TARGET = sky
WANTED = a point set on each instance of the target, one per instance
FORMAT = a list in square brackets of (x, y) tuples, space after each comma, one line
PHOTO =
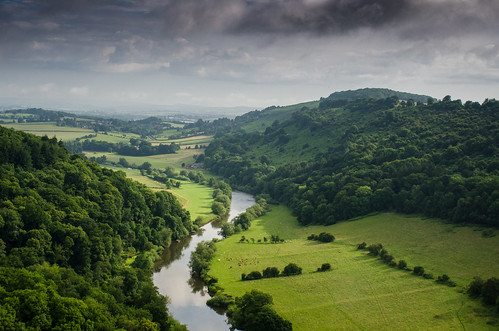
[(255, 53)]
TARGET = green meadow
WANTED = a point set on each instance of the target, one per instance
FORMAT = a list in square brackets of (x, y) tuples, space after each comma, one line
[(196, 198), (160, 161), (50, 130), (362, 293)]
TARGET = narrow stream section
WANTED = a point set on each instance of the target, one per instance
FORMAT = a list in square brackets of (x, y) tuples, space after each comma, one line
[(188, 296)]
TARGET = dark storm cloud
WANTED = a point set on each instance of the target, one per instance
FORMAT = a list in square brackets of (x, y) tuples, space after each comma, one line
[(413, 18), (174, 18)]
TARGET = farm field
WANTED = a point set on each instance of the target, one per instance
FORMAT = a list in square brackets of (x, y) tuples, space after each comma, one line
[(115, 137), (50, 130), (160, 161), (362, 293)]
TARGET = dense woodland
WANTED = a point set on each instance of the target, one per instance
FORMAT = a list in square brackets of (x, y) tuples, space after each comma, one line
[(66, 228), (436, 158)]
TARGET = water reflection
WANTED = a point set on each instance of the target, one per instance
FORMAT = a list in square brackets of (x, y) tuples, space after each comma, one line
[(187, 295)]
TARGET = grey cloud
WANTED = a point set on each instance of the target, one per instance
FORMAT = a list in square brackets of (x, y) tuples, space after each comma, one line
[(413, 18)]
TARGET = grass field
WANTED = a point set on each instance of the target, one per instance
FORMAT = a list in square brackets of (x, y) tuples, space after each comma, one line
[(115, 137), (196, 198), (50, 129), (157, 161), (361, 293)]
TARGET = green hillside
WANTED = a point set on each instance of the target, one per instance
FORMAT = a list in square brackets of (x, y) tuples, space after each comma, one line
[(376, 93), (346, 159)]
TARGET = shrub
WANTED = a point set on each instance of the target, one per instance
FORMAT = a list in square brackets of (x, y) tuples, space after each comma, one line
[(475, 288), (490, 291), (392, 264), (418, 270), (428, 276), (402, 264), (253, 275), (324, 267), (326, 237), (270, 272), (362, 245), (387, 258), (312, 237), (291, 269), (220, 300), (375, 249), (442, 279)]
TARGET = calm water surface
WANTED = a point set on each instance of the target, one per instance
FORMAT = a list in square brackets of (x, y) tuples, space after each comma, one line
[(188, 296)]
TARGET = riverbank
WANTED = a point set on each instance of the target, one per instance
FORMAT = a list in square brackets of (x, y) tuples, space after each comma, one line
[(187, 295)]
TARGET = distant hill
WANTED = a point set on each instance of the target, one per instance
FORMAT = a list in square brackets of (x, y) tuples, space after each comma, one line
[(376, 93), (259, 120)]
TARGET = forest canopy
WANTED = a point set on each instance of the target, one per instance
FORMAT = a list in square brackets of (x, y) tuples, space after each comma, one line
[(344, 159), (66, 228)]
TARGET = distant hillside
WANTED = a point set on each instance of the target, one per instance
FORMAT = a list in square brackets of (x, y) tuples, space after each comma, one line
[(332, 163), (376, 93), (260, 120)]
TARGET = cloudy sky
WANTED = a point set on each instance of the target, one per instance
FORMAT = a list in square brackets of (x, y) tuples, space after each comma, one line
[(256, 53)]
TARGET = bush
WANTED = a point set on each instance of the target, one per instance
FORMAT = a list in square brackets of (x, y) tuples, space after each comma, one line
[(220, 300), (490, 291), (326, 237), (375, 249), (322, 237), (442, 279), (253, 275), (291, 269), (324, 267), (428, 276), (418, 270), (362, 245), (402, 264), (387, 258), (270, 272), (475, 288)]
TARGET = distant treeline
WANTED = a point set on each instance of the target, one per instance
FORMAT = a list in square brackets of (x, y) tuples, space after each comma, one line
[(436, 158), (135, 148)]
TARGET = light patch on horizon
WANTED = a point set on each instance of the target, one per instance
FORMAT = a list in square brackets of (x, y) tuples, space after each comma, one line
[(79, 91)]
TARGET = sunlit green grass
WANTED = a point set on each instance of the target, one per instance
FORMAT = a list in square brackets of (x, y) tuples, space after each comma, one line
[(196, 198), (361, 293), (115, 137), (161, 161)]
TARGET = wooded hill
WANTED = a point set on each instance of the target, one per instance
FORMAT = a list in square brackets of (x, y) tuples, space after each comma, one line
[(345, 158), (66, 228)]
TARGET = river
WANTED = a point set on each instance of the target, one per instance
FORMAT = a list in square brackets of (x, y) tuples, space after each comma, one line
[(188, 296)]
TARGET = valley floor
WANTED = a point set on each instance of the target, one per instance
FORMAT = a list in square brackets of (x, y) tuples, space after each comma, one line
[(361, 292)]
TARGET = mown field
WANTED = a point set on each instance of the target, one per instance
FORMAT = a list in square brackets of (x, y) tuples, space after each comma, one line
[(361, 293)]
